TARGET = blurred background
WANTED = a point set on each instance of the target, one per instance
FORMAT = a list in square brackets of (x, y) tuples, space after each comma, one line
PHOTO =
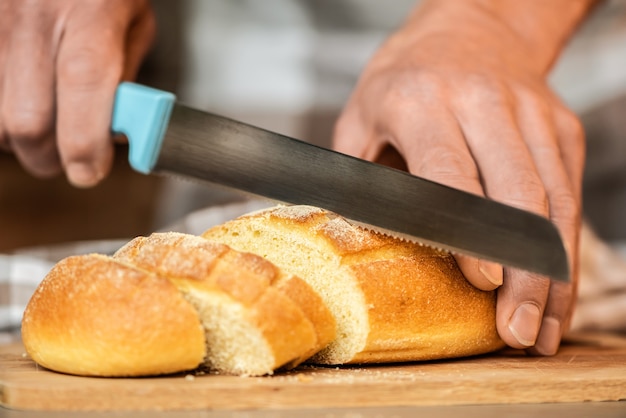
[(289, 66)]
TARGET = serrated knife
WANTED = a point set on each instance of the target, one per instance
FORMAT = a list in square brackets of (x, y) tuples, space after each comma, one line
[(167, 137)]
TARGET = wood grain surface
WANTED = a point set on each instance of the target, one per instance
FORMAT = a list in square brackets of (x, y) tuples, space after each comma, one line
[(589, 367)]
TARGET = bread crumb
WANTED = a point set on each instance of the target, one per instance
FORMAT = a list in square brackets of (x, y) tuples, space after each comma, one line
[(304, 378), (190, 378)]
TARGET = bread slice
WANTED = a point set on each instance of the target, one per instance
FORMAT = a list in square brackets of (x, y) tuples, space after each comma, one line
[(169, 303), (95, 316), (256, 318), (392, 300)]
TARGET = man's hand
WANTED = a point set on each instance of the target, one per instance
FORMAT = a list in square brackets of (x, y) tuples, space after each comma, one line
[(460, 93), (60, 63)]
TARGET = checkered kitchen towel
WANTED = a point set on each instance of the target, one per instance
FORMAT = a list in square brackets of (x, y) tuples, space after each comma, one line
[(21, 271)]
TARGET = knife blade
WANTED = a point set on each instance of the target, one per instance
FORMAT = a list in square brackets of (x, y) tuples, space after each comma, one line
[(167, 137)]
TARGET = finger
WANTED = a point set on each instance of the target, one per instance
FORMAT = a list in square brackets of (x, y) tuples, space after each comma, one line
[(435, 149), (89, 67), (540, 133), (520, 309), (556, 316), (536, 121), (504, 161), (509, 175), (5, 19), (28, 94), (483, 274), (571, 140), (572, 146), (352, 136), (139, 40)]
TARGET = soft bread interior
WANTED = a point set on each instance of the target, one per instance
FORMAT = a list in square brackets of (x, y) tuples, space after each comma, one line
[(235, 300), (313, 307), (312, 259), (169, 303), (392, 300), (234, 344), (251, 327)]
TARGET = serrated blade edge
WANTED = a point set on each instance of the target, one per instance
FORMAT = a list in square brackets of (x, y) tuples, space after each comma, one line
[(234, 154)]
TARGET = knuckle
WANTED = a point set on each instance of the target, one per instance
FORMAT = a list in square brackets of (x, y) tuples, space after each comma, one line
[(27, 124), (81, 141), (341, 128), (565, 208), (524, 191), (561, 300), (84, 68), (80, 150), (477, 81), (412, 85), (565, 202), (449, 167), (427, 80), (571, 126), (484, 89), (531, 95)]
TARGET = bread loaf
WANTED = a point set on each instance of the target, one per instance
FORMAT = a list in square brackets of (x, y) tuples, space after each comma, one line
[(169, 303), (256, 318), (95, 316), (267, 290), (392, 300)]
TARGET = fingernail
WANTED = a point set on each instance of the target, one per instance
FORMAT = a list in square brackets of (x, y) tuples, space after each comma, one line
[(549, 337), (82, 174), (492, 271), (524, 324)]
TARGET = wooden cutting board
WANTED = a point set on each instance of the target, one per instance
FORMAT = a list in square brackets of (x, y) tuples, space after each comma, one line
[(589, 367)]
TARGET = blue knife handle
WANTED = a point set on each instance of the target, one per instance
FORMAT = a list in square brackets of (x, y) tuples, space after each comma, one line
[(142, 114)]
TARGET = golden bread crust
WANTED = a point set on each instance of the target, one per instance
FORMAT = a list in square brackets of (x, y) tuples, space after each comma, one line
[(144, 312), (92, 315), (417, 303), (314, 308), (264, 291), (195, 264)]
